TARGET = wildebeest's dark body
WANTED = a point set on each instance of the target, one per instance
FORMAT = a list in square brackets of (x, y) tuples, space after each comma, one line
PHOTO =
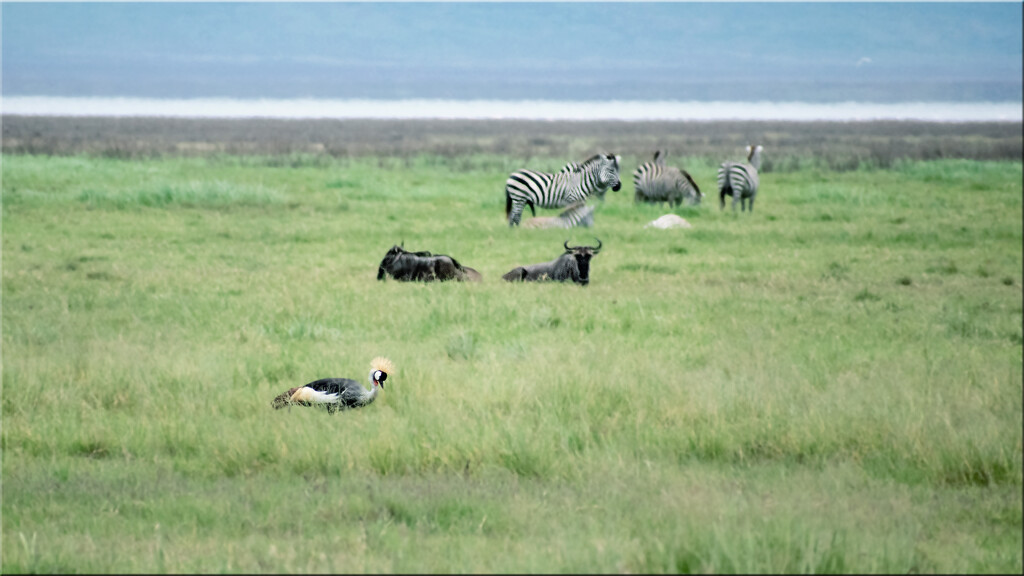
[(574, 265), (423, 266)]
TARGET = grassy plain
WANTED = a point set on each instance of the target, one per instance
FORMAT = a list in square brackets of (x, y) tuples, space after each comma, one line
[(829, 384)]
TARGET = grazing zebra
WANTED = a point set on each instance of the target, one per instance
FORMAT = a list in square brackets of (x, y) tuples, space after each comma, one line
[(572, 184), (656, 182), (740, 180), (579, 214)]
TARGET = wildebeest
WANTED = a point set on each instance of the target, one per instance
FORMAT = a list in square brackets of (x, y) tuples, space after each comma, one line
[(407, 266), (573, 265)]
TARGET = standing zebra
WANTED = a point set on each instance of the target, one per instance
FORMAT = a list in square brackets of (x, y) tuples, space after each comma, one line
[(656, 182), (574, 183), (740, 180)]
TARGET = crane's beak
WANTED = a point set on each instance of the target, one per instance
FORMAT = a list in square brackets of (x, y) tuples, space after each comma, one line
[(379, 383)]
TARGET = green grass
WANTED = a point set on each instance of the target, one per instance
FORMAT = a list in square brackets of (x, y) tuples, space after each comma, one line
[(829, 384)]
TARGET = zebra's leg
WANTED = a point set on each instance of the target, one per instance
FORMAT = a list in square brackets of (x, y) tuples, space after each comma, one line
[(751, 204), (516, 213), (721, 199)]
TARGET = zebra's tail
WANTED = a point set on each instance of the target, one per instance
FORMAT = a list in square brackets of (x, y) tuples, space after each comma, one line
[(508, 204), (692, 182)]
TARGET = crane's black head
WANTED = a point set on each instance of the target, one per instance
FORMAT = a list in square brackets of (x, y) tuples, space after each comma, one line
[(379, 377), (380, 367)]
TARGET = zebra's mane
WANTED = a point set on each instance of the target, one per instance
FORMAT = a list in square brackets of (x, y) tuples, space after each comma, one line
[(589, 162), (573, 167)]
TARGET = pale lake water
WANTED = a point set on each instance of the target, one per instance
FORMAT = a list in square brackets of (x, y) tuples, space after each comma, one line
[(626, 110)]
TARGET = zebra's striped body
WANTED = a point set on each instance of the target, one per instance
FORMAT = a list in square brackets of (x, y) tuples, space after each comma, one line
[(656, 182), (740, 180), (578, 214), (573, 184)]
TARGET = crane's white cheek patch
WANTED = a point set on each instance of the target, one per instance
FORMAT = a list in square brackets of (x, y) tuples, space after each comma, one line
[(306, 394)]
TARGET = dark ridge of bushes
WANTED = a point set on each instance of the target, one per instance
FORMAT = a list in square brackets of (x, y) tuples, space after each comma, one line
[(790, 146)]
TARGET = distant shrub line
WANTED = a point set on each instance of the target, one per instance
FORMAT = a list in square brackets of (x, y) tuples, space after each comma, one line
[(795, 146)]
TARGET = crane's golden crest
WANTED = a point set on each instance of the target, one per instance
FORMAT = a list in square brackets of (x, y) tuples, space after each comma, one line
[(383, 364)]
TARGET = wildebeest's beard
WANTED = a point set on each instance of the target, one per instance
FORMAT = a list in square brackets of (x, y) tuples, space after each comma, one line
[(583, 263)]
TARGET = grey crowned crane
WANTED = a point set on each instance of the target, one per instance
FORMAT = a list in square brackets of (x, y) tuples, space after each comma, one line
[(339, 393)]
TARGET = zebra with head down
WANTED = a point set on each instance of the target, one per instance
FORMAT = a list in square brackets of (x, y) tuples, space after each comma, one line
[(656, 182), (574, 183)]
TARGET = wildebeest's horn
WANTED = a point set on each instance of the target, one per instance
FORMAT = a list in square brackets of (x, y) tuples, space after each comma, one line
[(598, 249), (566, 244)]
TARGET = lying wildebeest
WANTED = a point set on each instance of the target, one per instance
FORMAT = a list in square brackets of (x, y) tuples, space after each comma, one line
[(573, 265), (407, 266)]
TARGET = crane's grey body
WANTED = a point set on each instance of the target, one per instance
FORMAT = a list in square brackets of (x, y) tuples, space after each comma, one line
[(349, 393), (334, 393)]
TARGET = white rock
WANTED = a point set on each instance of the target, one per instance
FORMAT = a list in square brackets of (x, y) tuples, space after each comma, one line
[(668, 221)]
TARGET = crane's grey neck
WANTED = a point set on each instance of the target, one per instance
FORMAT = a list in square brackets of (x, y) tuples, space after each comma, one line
[(368, 396)]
